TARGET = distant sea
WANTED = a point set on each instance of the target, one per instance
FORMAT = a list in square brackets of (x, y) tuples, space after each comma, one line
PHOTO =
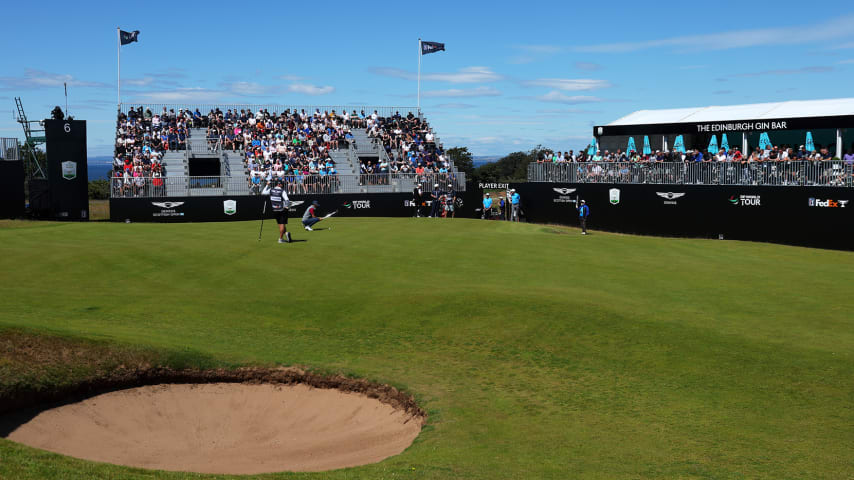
[(482, 160), (99, 167)]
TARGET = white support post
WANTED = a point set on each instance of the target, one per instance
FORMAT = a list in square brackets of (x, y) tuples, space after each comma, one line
[(744, 143), (419, 76), (839, 143), (664, 143)]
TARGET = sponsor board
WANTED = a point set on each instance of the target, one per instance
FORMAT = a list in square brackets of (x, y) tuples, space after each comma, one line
[(229, 207), (828, 203), (292, 206), (563, 195), (670, 197), (425, 203), (167, 209), (614, 196), (494, 186), (746, 200), (69, 170)]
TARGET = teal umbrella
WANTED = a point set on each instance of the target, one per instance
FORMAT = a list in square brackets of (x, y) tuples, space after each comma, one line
[(764, 141), (646, 149), (810, 144), (679, 144), (631, 147), (724, 143), (713, 144), (592, 149)]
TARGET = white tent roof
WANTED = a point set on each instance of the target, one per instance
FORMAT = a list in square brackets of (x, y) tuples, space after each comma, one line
[(754, 111)]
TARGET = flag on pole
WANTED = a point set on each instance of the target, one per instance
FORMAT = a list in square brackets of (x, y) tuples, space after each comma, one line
[(725, 143), (713, 145), (647, 150), (810, 144), (431, 47), (764, 141), (631, 146), (128, 37)]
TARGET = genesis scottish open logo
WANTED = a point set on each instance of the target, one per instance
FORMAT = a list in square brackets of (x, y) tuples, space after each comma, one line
[(670, 197), (292, 206), (563, 195), (614, 195), (829, 203), (746, 200), (167, 204), (229, 207), (168, 209)]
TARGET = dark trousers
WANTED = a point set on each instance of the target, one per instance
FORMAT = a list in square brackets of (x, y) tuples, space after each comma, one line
[(583, 221)]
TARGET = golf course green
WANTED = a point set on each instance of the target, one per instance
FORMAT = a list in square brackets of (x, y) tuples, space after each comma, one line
[(536, 352)]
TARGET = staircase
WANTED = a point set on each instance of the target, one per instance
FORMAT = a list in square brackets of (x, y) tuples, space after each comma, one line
[(175, 163), (238, 184)]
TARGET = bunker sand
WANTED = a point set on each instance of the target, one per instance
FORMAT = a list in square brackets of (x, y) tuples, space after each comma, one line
[(225, 428)]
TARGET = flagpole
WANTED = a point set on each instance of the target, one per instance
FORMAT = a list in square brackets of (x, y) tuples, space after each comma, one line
[(119, 66), (419, 75)]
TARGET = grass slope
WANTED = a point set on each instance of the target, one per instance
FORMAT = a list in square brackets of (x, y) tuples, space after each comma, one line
[(539, 353)]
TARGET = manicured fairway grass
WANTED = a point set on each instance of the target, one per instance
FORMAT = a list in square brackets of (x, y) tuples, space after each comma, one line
[(538, 353)]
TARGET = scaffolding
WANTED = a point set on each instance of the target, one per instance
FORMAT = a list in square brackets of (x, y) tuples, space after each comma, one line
[(34, 138)]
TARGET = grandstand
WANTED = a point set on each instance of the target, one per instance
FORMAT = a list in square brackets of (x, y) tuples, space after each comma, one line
[(177, 150)]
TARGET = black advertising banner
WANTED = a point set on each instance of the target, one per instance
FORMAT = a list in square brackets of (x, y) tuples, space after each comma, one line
[(11, 189), (809, 216), (67, 171)]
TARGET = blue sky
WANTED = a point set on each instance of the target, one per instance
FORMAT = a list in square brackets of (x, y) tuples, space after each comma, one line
[(514, 75)]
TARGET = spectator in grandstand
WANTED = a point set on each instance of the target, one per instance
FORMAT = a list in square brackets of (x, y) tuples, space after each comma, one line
[(583, 213)]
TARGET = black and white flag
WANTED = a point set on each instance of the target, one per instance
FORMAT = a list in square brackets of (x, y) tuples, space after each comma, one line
[(128, 37), (431, 47)]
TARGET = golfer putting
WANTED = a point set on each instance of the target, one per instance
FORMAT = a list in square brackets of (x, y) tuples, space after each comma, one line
[(310, 218)]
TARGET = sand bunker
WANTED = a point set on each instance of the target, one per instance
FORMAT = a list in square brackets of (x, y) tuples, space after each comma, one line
[(227, 428)]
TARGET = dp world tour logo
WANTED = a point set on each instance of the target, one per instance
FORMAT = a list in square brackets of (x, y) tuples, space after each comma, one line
[(358, 204), (746, 200)]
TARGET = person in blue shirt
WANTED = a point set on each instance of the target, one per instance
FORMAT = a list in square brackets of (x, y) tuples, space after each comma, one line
[(487, 207), (514, 201), (583, 213)]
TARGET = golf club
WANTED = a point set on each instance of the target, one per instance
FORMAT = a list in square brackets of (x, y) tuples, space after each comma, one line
[(263, 211)]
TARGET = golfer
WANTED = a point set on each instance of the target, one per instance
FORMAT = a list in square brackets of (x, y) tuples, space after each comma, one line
[(280, 201), (583, 213), (417, 198), (310, 217), (514, 201)]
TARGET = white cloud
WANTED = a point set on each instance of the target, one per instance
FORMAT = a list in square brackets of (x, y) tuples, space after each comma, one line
[(557, 97), (454, 105), (569, 84), (464, 75), (249, 88), (307, 89), (138, 82), (788, 71), (457, 92), (191, 95), (838, 28), (291, 78), (548, 49), (35, 79), (589, 66), (846, 62)]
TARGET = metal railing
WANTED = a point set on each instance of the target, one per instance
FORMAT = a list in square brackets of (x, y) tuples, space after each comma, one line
[(9, 149), (204, 108), (182, 186), (834, 173)]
